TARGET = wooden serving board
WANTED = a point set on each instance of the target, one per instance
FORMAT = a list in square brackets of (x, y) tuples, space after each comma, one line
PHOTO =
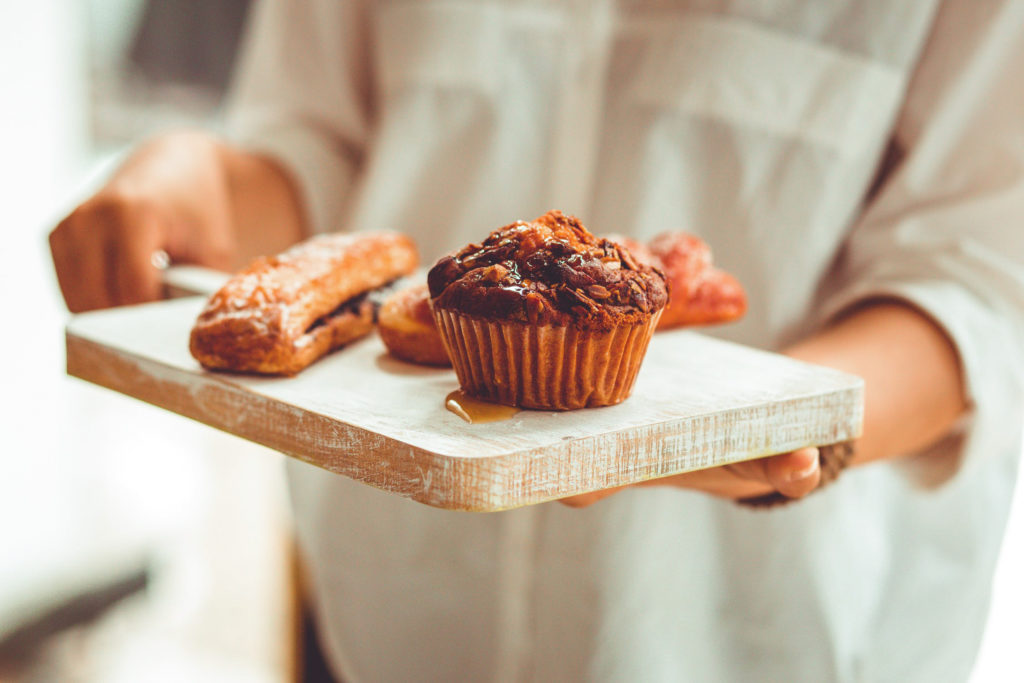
[(698, 402)]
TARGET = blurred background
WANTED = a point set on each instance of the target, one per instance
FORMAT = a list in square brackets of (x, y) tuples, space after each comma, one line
[(136, 545)]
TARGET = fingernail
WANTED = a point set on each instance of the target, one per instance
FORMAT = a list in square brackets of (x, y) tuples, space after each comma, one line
[(807, 471)]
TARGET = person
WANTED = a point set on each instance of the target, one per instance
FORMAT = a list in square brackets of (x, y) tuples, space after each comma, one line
[(858, 165)]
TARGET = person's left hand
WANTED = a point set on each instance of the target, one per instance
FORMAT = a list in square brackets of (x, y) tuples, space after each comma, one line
[(793, 474)]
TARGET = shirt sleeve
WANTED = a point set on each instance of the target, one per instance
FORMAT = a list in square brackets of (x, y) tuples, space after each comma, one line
[(300, 97), (943, 229)]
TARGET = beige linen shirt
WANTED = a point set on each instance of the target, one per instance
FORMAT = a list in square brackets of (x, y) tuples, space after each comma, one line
[(828, 151)]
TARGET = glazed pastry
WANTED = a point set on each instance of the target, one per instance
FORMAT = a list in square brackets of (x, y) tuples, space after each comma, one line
[(701, 293), (545, 315), (407, 328), (281, 313)]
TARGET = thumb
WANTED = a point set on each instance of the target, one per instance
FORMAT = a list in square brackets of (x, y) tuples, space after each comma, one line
[(794, 474)]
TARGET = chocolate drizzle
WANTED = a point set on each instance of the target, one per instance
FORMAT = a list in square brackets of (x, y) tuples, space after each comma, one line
[(548, 271)]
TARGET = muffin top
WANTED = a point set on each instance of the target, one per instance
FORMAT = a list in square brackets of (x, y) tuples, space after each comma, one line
[(550, 271)]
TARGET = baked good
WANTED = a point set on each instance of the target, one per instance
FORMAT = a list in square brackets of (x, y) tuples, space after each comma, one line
[(408, 330), (281, 313), (545, 315), (701, 293), (639, 251)]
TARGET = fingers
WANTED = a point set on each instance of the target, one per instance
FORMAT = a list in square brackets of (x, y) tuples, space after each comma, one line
[(586, 499), (793, 474), (130, 259), (722, 482), (102, 254), (80, 260)]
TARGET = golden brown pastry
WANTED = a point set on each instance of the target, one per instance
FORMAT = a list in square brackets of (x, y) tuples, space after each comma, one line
[(407, 328), (699, 293), (281, 313)]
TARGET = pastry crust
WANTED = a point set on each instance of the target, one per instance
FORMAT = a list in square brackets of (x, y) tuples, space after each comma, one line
[(281, 313), (408, 330), (701, 293)]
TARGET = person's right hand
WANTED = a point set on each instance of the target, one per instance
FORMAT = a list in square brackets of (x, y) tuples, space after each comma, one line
[(171, 195)]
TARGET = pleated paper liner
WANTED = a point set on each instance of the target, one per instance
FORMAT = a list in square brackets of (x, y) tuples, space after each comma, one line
[(543, 366)]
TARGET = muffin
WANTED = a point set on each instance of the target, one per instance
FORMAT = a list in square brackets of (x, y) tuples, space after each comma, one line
[(545, 315)]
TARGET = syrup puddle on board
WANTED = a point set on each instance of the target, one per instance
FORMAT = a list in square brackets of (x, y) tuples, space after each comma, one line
[(474, 410)]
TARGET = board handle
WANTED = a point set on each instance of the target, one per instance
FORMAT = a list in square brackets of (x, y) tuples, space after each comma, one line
[(180, 281)]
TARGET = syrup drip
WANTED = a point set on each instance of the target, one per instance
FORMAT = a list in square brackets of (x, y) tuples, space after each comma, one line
[(475, 411)]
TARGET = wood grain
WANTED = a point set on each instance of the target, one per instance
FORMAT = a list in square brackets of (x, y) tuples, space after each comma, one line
[(698, 402)]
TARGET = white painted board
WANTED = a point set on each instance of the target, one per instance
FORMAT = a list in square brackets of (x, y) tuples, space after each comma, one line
[(698, 402)]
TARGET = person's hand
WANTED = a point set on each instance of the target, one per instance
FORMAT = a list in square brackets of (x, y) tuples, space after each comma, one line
[(171, 195), (792, 474)]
